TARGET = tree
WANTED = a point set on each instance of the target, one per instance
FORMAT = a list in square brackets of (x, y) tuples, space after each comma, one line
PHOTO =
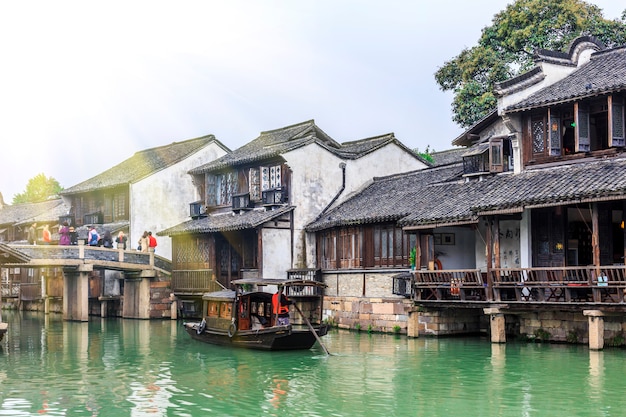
[(506, 49), (39, 188)]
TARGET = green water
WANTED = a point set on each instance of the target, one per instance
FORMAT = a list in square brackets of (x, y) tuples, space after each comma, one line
[(114, 367)]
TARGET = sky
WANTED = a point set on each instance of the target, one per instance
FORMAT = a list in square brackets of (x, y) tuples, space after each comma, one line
[(84, 84)]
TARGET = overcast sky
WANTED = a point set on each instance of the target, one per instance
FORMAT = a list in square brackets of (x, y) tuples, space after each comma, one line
[(83, 86)]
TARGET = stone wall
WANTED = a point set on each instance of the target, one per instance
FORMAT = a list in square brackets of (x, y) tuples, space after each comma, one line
[(160, 301), (447, 322), (564, 327), (373, 314)]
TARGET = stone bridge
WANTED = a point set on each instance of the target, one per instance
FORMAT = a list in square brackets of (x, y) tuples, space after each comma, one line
[(77, 262)]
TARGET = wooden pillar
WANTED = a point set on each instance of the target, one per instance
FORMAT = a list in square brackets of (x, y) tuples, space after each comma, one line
[(624, 228), (76, 293), (596, 329), (595, 235), (497, 323), (489, 245), (496, 242)]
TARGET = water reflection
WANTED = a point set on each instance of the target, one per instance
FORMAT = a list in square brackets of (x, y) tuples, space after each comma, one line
[(113, 367)]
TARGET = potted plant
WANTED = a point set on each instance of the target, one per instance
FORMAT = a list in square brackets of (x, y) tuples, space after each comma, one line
[(412, 256)]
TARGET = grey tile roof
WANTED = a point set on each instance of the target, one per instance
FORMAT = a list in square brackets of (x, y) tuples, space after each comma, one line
[(224, 222), (604, 73), (274, 143), (582, 181), (450, 156), (44, 212), (143, 164), (435, 196), (386, 199)]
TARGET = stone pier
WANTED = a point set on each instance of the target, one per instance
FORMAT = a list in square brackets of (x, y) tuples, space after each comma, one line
[(497, 324), (596, 329), (137, 294), (76, 292)]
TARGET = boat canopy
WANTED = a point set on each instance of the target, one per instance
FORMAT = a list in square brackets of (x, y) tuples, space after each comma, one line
[(278, 282)]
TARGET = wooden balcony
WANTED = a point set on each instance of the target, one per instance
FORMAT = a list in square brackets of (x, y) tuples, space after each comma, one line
[(194, 282), (593, 285)]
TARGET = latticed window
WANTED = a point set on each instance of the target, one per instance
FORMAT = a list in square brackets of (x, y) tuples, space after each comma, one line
[(271, 177), (539, 135), (119, 205), (618, 138), (227, 186), (255, 184)]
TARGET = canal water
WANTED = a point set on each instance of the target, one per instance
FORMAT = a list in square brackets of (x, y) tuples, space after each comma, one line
[(115, 367)]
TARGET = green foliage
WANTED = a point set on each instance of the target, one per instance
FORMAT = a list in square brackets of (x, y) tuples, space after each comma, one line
[(39, 188), (412, 256), (427, 154), (506, 49), (542, 335), (396, 329), (370, 328), (357, 326), (616, 341), (572, 337)]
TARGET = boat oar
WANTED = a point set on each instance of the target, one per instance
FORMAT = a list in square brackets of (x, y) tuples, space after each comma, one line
[(308, 323)]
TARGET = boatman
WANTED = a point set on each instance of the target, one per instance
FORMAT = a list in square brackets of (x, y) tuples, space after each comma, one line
[(280, 307)]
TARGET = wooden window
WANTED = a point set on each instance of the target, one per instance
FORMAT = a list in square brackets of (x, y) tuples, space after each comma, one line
[(119, 206), (555, 135), (538, 132), (583, 137), (349, 250), (255, 184), (496, 155), (617, 136), (271, 177), (226, 187)]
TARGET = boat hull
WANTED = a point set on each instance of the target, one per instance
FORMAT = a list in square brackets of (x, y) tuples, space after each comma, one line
[(272, 338)]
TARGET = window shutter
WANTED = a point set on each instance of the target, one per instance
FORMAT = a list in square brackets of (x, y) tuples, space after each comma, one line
[(618, 124), (538, 131), (496, 155), (211, 190), (255, 184), (555, 135), (582, 127)]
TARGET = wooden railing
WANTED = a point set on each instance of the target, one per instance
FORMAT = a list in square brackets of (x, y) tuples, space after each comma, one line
[(194, 281), (590, 284), (451, 284)]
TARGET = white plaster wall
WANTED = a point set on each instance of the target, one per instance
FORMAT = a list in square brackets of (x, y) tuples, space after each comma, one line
[(388, 160), (276, 253), (552, 72), (461, 254), (510, 248), (162, 199), (317, 177)]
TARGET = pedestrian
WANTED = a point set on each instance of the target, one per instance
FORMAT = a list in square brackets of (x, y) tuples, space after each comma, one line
[(73, 236), (121, 240), (280, 307), (46, 236), (32, 234), (64, 231), (107, 240), (93, 237), (143, 242), (152, 243)]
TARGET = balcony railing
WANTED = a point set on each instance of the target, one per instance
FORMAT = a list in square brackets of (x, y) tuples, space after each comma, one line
[(589, 284), (195, 281), (305, 274)]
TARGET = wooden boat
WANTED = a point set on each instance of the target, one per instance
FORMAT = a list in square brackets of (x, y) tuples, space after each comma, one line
[(243, 317)]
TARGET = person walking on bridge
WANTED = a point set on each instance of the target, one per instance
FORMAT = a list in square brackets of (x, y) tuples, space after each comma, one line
[(64, 231)]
